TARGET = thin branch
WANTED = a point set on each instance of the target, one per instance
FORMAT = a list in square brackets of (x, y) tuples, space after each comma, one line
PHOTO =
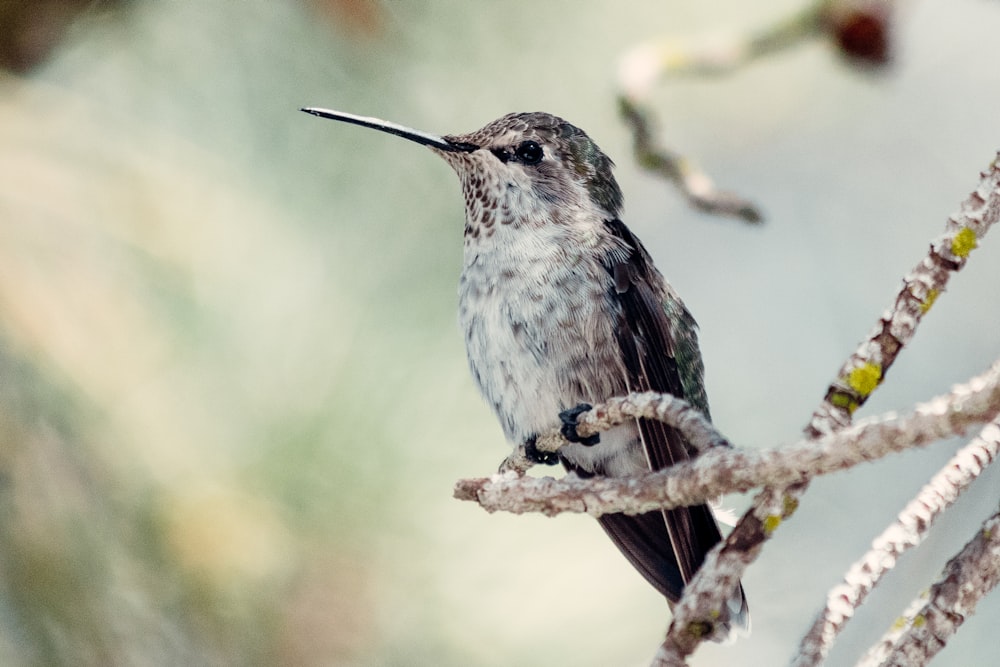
[(922, 633), (690, 179), (645, 64), (722, 469), (699, 433), (862, 374), (905, 533), (663, 658), (865, 370), (860, 28)]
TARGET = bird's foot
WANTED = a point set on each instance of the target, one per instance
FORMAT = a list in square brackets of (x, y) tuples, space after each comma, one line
[(536, 455), (569, 425)]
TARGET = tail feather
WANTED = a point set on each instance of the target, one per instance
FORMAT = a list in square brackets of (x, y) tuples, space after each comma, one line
[(644, 541)]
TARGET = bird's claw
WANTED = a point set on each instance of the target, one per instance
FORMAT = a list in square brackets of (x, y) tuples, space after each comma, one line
[(569, 425), (536, 455)]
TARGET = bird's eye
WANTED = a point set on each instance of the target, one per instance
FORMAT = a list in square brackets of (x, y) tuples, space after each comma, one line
[(529, 152)]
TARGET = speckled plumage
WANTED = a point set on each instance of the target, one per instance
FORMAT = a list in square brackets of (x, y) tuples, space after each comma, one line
[(533, 283), (560, 304)]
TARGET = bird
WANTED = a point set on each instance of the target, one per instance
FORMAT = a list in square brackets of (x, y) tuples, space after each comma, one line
[(561, 307)]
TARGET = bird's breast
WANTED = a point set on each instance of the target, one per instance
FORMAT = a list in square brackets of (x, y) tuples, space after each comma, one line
[(539, 324)]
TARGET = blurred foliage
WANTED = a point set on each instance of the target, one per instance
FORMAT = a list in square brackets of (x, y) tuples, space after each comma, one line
[(233, 398), (174, 492), (31, 29)]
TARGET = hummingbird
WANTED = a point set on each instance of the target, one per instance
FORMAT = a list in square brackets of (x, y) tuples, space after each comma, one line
[(561, 306)]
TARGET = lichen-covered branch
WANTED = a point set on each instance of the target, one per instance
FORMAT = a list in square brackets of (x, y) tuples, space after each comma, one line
[(936, 616), (862, 374), (723, 469), (866, 368), (905, 533)]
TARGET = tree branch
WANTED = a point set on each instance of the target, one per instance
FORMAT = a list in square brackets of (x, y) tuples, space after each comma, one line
[(697, 430), (865, 370), (905, 533), (859, 28), (690, 179), (722, 469), (861, 375), (924, 631)]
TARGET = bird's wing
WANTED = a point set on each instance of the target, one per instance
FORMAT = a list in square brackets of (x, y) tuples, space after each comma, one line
[(660, 354)]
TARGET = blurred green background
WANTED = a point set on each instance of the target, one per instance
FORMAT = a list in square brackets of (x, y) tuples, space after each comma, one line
[(233, 396)]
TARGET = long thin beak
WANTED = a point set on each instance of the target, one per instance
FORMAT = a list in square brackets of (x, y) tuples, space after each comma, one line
[(425, 138)]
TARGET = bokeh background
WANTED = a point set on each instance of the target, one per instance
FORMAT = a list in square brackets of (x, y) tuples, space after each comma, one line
[(233, 396)]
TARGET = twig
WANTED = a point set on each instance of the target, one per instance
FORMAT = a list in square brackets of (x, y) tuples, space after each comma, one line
[(862, 374), (645, 64), (905, 533), (923, 632), (699, 433), (865, 370), (693, 183), (860, 29), (722, 469), (697, 430)]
